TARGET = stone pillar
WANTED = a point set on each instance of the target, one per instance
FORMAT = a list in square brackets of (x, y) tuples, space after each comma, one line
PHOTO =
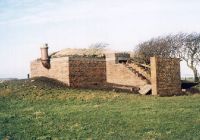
[(165, 76)]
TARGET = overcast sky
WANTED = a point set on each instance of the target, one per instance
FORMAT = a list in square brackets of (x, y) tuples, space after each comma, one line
[(26, 24)]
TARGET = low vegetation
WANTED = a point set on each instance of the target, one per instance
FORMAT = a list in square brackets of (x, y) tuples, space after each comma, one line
[(40, 109)]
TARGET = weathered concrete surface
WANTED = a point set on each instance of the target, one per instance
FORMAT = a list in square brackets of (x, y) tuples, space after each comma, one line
[(117, 73), (145, 89), (59, 69)]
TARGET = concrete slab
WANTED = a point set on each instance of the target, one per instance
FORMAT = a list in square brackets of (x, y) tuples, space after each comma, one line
[(145, 89)]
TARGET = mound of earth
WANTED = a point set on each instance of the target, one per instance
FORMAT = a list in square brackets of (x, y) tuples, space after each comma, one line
[(38, 82), (45, 82), (80, 52)]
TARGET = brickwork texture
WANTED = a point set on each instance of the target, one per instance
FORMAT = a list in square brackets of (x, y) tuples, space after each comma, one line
[(165, 76), (87, 72)]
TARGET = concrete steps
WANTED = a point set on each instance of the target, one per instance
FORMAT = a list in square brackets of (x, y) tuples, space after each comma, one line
[(146, 89), (143, 73)]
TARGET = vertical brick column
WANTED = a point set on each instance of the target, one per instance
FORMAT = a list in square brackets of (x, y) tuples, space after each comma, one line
[(165, 76)]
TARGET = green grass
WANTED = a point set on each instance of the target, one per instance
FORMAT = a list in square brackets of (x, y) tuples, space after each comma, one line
[(37, 110)]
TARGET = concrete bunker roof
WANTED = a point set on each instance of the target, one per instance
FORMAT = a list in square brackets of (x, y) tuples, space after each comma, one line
[(79, 52)]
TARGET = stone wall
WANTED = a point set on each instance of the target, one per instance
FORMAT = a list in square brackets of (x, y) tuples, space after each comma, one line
[(59, 69), (87, 72), (165, 76)]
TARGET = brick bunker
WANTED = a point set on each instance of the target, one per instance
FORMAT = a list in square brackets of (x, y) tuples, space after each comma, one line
[(115, 71)]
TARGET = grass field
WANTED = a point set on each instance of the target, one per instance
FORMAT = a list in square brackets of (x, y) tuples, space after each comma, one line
[(33, 110)]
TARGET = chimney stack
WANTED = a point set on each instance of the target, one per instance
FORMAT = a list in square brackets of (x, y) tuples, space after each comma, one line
[(44, 56)]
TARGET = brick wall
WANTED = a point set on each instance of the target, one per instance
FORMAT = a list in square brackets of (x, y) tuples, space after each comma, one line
[(165, 76), (87, 72), (59, 69)]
